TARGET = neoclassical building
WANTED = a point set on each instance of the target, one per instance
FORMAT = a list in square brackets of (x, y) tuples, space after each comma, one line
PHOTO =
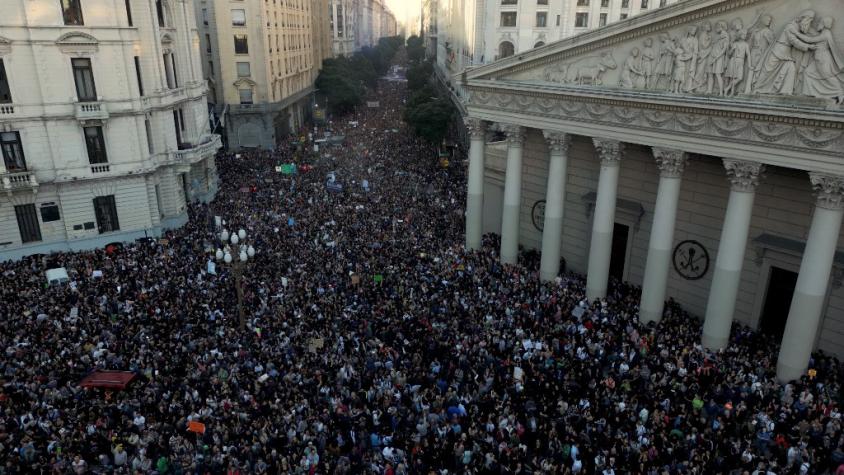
[(104, 129), (697, 151)]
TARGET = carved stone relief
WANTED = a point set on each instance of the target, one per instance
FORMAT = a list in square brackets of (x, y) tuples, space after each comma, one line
[(784, 52)]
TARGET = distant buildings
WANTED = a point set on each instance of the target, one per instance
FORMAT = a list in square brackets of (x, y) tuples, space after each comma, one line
[(104, 128), (356, 24), (261, 60)]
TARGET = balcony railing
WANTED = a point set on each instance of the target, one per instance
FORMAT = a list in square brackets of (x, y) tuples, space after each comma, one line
[(6, 109), (97, 169), (196, 153), (91, 111), (18, 181)]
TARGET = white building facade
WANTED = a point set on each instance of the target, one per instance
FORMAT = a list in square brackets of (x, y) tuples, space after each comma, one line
[(696, 151), (103, 123), (343, 27)]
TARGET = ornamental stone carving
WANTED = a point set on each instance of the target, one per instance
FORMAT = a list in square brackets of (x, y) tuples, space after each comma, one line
[(558, 142), (829, 190), (475, 127), (670, 162), (515, 134), (743, 174), (609, 151), (589, 70)]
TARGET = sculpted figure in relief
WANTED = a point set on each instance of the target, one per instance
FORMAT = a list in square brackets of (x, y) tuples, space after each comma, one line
[(632, 75), (718, 58), (690, 47), (683, 64), (665, 66), (649, 58), (778, 69), (589, 70), (703, 67), (761, 39), (825, 73), (739, 56)]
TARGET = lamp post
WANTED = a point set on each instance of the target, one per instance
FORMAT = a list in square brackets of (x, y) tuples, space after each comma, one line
[(235, 243)]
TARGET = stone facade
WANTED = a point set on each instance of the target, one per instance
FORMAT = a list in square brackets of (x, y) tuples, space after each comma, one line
[(105, 128), (722, 195)]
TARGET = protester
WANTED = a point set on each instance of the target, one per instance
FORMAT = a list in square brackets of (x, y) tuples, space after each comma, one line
[(376, 344)]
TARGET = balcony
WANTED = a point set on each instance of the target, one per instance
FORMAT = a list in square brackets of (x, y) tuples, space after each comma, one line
[(91, 111), (18, 181), (196, 153), (97, 169), (6, 110)]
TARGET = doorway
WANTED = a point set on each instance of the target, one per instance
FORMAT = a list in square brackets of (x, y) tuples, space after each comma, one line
[(618, 258), (781, 284)]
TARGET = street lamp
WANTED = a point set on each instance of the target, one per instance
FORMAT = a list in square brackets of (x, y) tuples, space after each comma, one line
[(235, 243)]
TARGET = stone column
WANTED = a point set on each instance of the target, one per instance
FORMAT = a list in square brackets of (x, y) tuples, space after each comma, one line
[(555, 198), (744, 177), (512, 194), (670, 164), (807, 305), (603, 220), (475, 195)]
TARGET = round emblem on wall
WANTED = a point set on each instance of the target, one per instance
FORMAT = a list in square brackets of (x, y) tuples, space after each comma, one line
[(691, 260), (538, 214)]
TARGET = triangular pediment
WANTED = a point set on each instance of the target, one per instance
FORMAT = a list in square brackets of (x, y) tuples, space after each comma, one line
[(774, 49), (76, 38)]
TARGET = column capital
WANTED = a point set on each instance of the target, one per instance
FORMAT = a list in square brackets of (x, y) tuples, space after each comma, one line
[(609, 151), (743, 174), (671, 162), (476, 127), (515, 134), (558, 142), (829, 190)]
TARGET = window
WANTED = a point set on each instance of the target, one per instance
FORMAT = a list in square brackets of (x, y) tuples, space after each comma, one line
[(506, 49), (241, 45), (83, 76), (538, 44), (605, 3), (204, 16), (106, 212), (138, 74), (5, 91), (558, 20), (159, 10), (644, 4), (10, 144), (211, 68), (72, 12), (95, 144), (239, 17), (542, 2), (245, 96), (28, 223), (541, 19), (663, 3), (625, 3), (581, 20), (508, 18), (509, 2), (178, 129), (129, 14), (623, 16), (150, 145), (170, 70), (49, 212), (602, 20), (582, 3), (243, 70), (207, 43)]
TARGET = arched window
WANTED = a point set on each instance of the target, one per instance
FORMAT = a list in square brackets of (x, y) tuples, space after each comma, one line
[(538, 44), (506, 49)]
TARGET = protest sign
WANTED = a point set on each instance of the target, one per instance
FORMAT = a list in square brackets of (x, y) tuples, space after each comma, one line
[(196, 427)]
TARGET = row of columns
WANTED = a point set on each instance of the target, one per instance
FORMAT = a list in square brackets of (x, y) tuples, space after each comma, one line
[(810, 291)]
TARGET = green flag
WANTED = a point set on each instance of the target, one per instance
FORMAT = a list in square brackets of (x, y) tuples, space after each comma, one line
[(378, 278), (288, 168)]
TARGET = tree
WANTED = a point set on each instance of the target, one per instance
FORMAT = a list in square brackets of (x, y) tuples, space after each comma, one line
[(415, 49), (429, 115), (419, 75)]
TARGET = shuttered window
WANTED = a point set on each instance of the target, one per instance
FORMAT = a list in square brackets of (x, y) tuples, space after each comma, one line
[(28, 223), (106, 211)]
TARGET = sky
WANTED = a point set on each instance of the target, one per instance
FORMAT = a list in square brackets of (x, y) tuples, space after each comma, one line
[(405, 9)]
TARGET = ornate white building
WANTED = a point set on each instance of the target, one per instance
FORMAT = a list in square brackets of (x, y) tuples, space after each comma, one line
[(697, 151), (103, 122), (356, 24)]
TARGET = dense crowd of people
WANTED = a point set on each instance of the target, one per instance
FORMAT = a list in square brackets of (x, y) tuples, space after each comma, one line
[(376, 344)]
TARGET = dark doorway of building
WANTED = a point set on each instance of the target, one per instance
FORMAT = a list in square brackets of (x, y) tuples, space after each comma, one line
[(620, 234), (185, 187), (777, 302)]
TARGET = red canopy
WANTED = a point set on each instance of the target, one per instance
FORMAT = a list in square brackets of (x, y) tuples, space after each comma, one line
[(107, 379)]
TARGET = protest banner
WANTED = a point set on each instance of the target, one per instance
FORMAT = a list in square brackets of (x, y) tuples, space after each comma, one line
[(196, 427)]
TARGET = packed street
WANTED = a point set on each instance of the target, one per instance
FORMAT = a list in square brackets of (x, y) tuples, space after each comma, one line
[(375, 344)]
